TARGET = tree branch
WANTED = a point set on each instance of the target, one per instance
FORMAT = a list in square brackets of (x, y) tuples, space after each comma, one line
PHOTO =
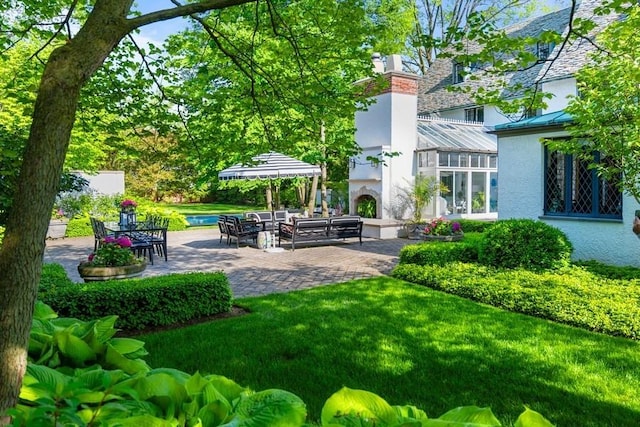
[(183, 10)]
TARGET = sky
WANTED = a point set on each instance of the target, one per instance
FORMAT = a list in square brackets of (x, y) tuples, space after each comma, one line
[(159, 31)]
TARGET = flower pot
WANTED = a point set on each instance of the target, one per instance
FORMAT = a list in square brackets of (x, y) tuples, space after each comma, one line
[(57, 228), (91, 273), (414, 230), (451, 238)]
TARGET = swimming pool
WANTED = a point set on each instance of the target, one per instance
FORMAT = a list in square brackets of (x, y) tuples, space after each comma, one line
[(201, 220)]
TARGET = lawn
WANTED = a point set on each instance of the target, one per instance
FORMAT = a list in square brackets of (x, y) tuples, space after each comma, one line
[(413, 345), (207, 208)]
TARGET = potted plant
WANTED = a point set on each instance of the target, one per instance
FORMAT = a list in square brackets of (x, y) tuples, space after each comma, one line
[(443, 229), (128, 212), (69, 202), (415, 198), (112, 260)]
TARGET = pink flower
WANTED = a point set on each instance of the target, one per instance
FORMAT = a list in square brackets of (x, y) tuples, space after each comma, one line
[(128, 203), (124, 241), (109, 239), (91, 256)]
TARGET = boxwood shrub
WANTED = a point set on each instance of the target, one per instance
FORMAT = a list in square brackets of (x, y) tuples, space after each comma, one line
[(526, 243), (148, 302), (53, 276), (574, 295), (474, 225), (440, 253)]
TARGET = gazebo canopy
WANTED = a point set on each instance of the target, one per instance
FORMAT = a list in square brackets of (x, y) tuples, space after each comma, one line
[(270, 165)]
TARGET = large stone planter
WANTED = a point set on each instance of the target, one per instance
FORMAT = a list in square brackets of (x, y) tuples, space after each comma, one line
[(414, 230), (92, 273), (57, 228), (452, 238)]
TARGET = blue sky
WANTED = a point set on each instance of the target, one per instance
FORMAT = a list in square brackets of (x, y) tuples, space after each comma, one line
[(157, 32)]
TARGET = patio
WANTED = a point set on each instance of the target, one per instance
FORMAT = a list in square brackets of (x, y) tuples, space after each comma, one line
[(251, 271)]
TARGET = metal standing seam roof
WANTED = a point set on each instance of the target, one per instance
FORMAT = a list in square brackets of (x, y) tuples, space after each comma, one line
[(454, 135), (549, 119)]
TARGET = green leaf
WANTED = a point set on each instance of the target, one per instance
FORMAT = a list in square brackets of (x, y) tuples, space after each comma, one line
[(360, 403), (531, 418), (43, 311), (410, 412), (115, 360), (471, 414), (129, 347), (274, 408), (73, 347), (162, 389), (41, 382), (228, 388), (143, 420)]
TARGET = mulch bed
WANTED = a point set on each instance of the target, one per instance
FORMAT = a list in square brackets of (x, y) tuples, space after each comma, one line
[(235, 312)]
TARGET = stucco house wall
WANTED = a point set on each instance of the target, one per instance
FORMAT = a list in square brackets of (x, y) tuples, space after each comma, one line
[(562, 90), (522, 160), (521, 175), (105, 182)]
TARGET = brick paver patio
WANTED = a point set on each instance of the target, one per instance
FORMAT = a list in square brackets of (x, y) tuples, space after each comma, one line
[(252, 271)]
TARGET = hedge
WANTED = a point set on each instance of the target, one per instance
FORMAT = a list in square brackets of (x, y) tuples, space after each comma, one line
[(53, 277), (573, 296), (441, 253), (143, 303)]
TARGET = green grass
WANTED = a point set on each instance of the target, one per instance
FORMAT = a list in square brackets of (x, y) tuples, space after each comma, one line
[(207, 208), (413, 345)]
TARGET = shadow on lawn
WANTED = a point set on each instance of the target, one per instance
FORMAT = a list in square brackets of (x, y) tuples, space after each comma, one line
[(411, 345)]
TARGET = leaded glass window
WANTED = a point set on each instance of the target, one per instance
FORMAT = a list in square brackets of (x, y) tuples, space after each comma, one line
[(573, 188)]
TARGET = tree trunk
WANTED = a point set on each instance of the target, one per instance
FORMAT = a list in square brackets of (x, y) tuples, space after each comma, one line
[(69, 67), (67, 70), (323, 174), (312, 195)]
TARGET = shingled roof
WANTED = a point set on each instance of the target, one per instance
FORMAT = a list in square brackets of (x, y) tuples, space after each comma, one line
[(433, 95)]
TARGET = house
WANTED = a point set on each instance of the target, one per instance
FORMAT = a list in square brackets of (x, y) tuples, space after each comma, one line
[(446, 135)]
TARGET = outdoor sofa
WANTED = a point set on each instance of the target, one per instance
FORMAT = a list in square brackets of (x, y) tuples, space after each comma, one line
[(266, 219), (319, 229)]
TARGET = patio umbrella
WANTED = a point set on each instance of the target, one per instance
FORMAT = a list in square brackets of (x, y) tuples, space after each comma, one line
[(270, 166)]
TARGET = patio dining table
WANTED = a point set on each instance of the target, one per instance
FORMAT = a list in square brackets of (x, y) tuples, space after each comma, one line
[(154, 235)]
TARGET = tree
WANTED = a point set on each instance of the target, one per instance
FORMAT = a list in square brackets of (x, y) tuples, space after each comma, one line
[(606, 115), (438, 24), (102, 25), (81, 36), (268, 95)]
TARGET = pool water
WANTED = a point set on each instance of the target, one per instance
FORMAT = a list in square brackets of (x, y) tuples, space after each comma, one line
[(200, 220)]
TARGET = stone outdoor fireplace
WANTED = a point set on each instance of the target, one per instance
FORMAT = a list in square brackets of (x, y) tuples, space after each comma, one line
[(366, 203)]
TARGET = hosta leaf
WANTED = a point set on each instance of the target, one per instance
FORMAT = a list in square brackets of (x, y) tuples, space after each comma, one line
[(41, 382), (143, 420), (274, 408), (104, 328), (74, 348), (161, 386), (471, 414), (196, 383), (360, 403), (96, 378), (531, 418), (180, 376), (214, 413), (410, 411), (43, 311), (128, 347), (228, 388), (115, 360)]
